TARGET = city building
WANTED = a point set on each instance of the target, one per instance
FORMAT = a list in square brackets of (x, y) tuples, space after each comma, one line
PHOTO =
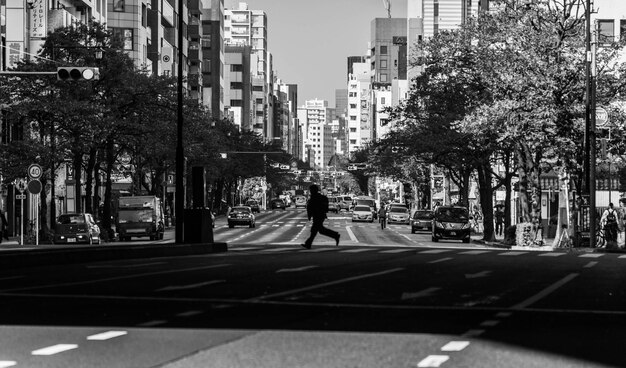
[(238, 94), (359, 103), (315, 123)]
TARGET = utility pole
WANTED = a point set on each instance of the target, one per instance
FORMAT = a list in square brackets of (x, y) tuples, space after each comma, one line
[(180, 156)]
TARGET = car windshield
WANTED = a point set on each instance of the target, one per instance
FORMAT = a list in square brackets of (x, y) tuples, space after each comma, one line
[(347, 199), (452, 214), (368, 202), (71, 219), (362, 208), (423, 215), (251, 203), (240, 210), (399, 209), (135, 215)]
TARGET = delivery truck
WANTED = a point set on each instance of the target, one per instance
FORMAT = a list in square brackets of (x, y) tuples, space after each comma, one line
[(140, 216)]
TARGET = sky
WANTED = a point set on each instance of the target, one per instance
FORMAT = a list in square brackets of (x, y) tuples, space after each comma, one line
[(310, 40)]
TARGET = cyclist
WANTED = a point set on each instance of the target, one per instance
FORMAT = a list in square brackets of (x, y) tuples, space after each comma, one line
[(382, 216)]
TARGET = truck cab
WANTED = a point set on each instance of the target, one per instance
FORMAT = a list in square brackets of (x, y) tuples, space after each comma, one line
[(140, 216)]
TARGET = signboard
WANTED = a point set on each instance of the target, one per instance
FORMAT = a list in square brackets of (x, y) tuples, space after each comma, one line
[(34, 186), (34, 171), (20, 196), (602, 117), (38, 19)]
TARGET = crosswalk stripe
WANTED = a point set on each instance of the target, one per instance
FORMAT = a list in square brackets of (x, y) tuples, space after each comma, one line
[(355, 250), (591, 255), (474, 252), (396, 250), (435, 251), (551, 254), (512, 253)]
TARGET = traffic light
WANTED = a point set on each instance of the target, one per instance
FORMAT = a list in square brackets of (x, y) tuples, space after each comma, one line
[(78, 73)]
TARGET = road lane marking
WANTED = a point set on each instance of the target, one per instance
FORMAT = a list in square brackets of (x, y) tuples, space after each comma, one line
[(325, 284), (406, 236), (54, 349), (7, 363), (358, 250), (590, 264), (435, 251), (503, 314), (433, 361), (591, 255), (107, 335), (473, 333), (126, 266), (440, 260), (512, 253), (622, 256), (545, 292), (298, 269), (152, 323), (455, 346), (190, 286), (190, 313), (396, 251), (351, 234), (489, 323), (419, 294), (106, 279), (551, 254), (477, 275), (474, 252)]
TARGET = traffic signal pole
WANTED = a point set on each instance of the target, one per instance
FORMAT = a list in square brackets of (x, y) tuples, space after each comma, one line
[(180, 156)]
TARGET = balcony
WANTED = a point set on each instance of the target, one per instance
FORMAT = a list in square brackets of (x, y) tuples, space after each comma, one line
[(194, 30), (195, 54)]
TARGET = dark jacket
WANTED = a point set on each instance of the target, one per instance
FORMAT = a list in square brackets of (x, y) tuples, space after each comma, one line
[(317, 206)]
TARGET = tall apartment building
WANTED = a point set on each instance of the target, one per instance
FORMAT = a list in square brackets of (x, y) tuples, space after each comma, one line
[(444, 14), (238, 94), (243, 26), (285, 115), (388, 50), (359, 103), (315, 123), (341, 116), (211, 67)]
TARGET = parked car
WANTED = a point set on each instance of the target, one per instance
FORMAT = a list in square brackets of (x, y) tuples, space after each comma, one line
[(333, 204), (300, 201), (362, 213), (451, 222), (345, 202), (422, 220), (254, 205), (241, 215), (277, 204), (76, 228), (398, 215)]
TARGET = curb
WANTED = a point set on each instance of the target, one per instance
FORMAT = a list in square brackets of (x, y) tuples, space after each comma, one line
[(43, 257)]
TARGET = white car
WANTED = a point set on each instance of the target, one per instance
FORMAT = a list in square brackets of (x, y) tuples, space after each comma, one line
[(362, 213), (300, 202), (398, 215)]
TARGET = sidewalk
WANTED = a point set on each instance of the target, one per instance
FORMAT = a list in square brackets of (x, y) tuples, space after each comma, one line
[(499, 243)]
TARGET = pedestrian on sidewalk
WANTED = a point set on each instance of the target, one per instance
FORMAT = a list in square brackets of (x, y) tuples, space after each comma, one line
[(609, 224), (382, 216), (621, 219), (3, 227), (316, 208), (499, 216)]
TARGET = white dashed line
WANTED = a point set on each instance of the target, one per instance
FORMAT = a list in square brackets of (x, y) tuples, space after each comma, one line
[(512, 253), (190, 313), (591, 255), (590, 264), (545, 292), (473, 333), (351, 234), (54, 349), (551, 254), (440, 260), (106, 335), (433, 361), (455, 346), (435, 251), (490, 323), (474, 252), (152, 323), (7, 363), (621, 257)]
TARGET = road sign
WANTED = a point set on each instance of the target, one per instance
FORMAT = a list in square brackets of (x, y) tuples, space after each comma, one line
[(20, 184), (602, 117), (20, 196), (34, 171), (34, 186)]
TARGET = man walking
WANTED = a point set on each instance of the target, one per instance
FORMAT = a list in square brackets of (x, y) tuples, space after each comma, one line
[(3, 227), (499, 215), (316, 208)]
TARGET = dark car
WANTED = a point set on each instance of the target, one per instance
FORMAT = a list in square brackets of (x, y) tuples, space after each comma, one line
[(451, 222), (422, 220), (254, 205), (241, 215), (76, 228), (277, 203)]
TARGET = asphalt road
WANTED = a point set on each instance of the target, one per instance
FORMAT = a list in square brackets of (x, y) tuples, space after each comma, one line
[(367, 303)]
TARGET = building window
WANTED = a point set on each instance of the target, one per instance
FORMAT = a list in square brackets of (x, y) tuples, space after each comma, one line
[(382, 100), (352, 130), (236, 103), (257, 88), (383, 77), (236, 68), (125, 35), (352, 141), (383, 49), (353, 106), (383, 64), (622, 29), (352, 117), (236, 85), (436, 9), (352, 94), (206, 66), (259, 101), (119, 5), (606, 31)]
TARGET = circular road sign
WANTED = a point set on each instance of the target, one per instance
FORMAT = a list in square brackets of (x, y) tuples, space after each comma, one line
[(602, 116), (34, 186), (34, 171)]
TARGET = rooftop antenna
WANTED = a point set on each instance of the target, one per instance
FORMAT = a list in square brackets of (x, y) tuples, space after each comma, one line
[(387, 4)]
